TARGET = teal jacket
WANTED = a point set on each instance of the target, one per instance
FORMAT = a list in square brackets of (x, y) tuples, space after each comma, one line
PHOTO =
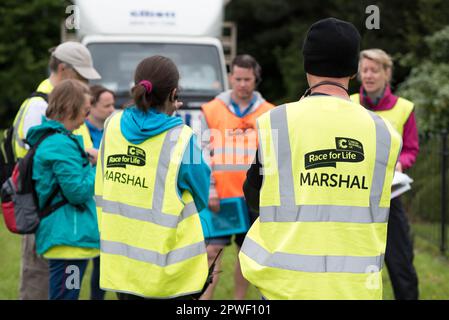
[(58, 160)]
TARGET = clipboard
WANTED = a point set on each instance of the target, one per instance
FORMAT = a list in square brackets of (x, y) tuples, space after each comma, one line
[(400, 184), (231, 219)]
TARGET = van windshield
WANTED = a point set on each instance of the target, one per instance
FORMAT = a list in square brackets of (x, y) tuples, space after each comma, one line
[(198, 65)]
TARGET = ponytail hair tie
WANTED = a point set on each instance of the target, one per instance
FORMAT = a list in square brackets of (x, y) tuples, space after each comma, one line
[(147, 85)]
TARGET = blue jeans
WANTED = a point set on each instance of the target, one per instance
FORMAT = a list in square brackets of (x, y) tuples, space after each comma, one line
[(65, 278), (95, 292)]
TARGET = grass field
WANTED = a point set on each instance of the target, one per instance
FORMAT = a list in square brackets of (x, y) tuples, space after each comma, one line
[(431, 232), (433, 272)]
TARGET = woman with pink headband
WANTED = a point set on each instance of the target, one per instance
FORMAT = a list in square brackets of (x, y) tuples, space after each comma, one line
[(151, 183)]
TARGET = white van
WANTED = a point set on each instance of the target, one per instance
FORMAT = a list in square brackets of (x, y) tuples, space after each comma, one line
[(119, 34)]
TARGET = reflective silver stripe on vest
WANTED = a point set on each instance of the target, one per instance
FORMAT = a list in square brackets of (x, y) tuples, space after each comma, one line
[(170, 141), (311, 263), (19, 141), (231, 167), (383, 144), (324, 213), (103, 141), (290, 212), (155, 214), (282, 151), (235, 151), (153, 257), (143, 214)]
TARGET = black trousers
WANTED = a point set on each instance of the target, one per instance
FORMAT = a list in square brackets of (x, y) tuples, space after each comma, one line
[(399, 254)]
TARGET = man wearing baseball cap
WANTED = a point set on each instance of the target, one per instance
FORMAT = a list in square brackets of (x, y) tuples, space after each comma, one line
[(70, 60), (327, 167), (77, 57)]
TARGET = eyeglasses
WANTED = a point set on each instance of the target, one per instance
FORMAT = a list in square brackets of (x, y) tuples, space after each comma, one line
[(86, 111)]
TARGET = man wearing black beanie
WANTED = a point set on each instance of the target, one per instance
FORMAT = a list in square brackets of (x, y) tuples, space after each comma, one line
[(321, 184)]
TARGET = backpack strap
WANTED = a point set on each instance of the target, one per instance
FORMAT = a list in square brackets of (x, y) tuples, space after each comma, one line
[(80, 149), (26, 163), (48, 208), (40, 94), (7, 159)]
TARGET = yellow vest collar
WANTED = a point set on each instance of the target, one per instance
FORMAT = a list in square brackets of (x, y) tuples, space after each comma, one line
[(45, 86)]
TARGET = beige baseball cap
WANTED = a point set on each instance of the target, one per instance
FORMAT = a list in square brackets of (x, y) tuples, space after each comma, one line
[(78, 56)]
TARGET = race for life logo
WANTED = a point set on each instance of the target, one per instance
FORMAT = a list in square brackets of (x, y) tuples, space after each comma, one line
[(347, 150), (134, 157)]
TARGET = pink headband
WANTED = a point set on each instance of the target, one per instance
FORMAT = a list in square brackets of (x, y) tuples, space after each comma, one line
[(147, 85)]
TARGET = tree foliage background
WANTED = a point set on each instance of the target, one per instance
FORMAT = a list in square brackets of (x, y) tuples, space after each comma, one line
[(271, 31), (428, 83), (27, 30)]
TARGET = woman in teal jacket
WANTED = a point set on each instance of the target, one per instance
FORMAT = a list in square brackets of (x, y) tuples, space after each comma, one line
[(69, 236)]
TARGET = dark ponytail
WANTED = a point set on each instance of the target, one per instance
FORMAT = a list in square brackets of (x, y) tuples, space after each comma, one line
[(155, 78)]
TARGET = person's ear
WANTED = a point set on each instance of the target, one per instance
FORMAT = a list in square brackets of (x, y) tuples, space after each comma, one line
[(61, 68), (173, 96)]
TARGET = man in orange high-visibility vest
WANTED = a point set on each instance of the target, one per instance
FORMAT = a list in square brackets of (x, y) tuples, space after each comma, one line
[(231, 120)]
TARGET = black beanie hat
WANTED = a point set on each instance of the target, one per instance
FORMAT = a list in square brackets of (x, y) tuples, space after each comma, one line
[(331, 49)]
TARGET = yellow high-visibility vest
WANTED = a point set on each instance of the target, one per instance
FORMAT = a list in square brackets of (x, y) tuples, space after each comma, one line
[(83, 131), (19, 145), (20, 149), (397, 116), (152, 243), (328, 166)]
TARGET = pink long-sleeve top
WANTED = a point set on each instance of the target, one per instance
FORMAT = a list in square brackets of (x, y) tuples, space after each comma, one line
[(410, 141)]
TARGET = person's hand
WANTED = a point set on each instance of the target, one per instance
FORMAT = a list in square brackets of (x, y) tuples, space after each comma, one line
[(214, 204), (178, 105), (92, 155), (175, 107), (398, 167)]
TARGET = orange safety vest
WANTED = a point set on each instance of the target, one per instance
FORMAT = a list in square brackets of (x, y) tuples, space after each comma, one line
[(234, 145)]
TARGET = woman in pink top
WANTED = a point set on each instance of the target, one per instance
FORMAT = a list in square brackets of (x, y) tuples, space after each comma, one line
[(375, 71)]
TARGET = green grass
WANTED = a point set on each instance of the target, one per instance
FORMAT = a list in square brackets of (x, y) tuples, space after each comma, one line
[(433, 271), (10, 247), (431, 231)]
